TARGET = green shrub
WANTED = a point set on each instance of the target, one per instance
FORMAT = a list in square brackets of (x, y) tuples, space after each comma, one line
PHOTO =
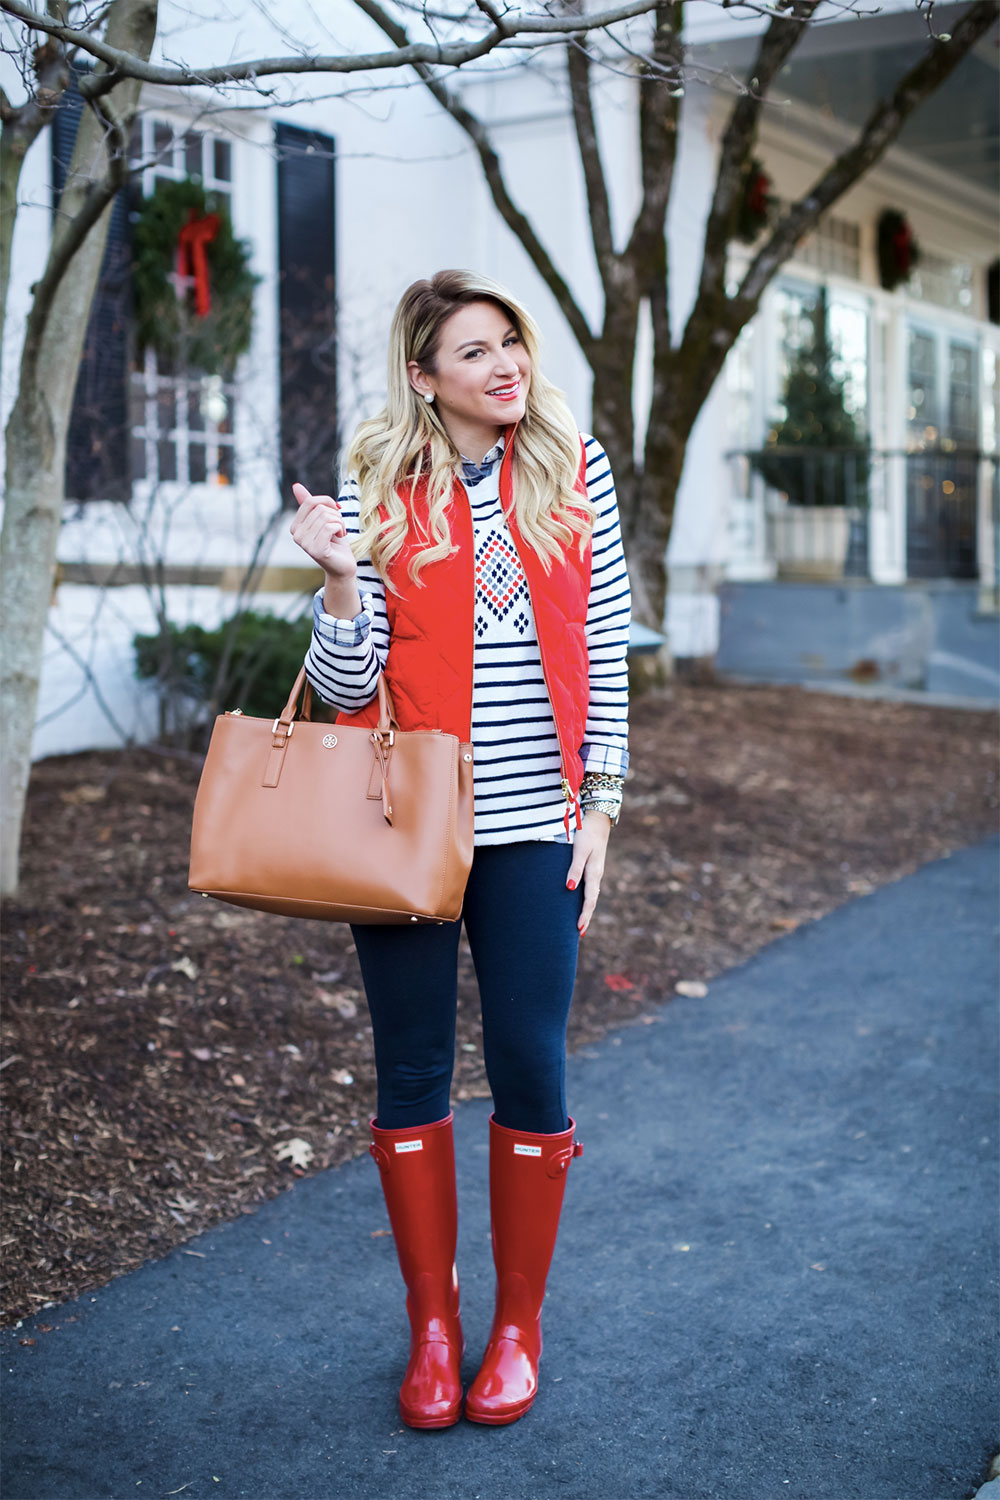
[(249, 662)]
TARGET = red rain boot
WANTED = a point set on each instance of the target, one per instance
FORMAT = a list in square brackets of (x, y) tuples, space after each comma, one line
[(417, 1168), (527, 1182)]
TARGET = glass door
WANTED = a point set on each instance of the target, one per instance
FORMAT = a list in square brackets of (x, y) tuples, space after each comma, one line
[(942, 429), (815, 460)]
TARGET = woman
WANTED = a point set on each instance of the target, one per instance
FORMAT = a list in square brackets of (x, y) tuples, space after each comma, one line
[(475, 555)]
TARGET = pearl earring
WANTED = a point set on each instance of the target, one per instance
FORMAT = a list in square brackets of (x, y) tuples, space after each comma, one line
[(428, 396)]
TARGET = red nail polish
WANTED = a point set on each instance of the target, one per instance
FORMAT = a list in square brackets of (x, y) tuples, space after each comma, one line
[(571, 885)]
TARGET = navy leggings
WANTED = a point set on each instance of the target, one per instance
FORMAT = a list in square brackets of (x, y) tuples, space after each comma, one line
[(521, 924)]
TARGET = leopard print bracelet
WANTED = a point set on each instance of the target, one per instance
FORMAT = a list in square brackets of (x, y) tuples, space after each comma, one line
[(601, 782), (602, 792)]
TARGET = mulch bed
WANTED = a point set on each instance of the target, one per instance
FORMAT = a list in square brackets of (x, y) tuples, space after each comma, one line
[(170, 1062)]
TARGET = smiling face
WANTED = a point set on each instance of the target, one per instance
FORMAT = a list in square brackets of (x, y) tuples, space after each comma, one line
[(479, 379)]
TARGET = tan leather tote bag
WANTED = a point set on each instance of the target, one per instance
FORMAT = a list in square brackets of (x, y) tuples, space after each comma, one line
[(334, 821)]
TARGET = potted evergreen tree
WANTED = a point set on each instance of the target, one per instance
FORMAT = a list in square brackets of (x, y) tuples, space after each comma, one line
[(818, 458)]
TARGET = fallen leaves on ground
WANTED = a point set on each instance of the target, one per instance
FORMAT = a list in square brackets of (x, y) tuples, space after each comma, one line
[(296, 1151)]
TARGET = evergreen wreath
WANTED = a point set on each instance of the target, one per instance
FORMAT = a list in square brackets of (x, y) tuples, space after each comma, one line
[(898, 251), (169, 323)]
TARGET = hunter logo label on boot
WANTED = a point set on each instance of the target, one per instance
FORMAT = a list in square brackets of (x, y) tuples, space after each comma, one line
[(520, 1150), (408, 1145)]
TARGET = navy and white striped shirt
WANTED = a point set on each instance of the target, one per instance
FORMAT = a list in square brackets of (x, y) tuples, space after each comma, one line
[(517, 774)]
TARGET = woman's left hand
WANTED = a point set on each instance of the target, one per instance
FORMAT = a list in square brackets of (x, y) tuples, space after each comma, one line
[(590, 847)]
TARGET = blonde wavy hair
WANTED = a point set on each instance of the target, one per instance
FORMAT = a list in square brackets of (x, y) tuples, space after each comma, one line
[(406, 443)]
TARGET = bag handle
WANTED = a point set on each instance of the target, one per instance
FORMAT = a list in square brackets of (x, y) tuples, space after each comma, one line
[(387, 720), (382, 738), (286, 719), (382, 735)]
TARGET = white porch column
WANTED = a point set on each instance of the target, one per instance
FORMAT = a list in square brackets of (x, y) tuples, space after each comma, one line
[(887, 528)]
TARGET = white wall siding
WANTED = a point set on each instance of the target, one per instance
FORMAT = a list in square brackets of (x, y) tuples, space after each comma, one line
[(90, 641)]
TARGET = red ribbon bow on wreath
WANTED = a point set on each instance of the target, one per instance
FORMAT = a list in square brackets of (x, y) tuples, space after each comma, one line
[(902, 244), (192, 258), (760, 186)]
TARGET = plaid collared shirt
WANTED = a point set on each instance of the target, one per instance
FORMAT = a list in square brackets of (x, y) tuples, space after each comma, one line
[(474, 474)]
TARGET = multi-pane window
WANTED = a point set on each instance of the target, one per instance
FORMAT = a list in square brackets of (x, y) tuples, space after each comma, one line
[(738, 373), (963, 416), (182, 426), (847, 324), (943, 422), (943, 390), (833, 246), (947, 283), (923, 420), (169, 151), (181, 419)]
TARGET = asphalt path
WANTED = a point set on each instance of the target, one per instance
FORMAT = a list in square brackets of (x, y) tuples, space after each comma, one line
[(776, 1276)]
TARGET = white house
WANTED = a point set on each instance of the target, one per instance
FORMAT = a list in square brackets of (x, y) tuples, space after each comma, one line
[(175, 482)]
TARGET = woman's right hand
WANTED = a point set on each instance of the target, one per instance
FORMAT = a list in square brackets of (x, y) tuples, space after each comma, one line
[(318, 528)]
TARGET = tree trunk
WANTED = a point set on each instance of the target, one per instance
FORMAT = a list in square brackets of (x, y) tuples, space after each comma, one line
[(36, 432), (612, 357), (613, 421), (646, 526), (647, 491), (646, 537)]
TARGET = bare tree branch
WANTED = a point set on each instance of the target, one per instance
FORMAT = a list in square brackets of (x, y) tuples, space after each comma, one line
[(578, 65), (659, 121), (493, 12), (124, 65), (659, 95), (90, 681), (68, 237), (513, 217), (880, 130), (738, 142), (21, 126)]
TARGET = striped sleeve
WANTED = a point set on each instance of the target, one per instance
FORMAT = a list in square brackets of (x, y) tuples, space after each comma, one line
[(605, 742), (345, 656)]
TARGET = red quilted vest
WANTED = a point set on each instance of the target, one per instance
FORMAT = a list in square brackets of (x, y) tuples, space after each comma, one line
[(429, 667)]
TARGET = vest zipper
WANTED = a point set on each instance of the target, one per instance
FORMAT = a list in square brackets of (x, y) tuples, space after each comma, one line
[(571, 798)]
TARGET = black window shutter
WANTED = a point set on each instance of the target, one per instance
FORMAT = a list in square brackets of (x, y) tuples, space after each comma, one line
[(307, 309), (97, 445)]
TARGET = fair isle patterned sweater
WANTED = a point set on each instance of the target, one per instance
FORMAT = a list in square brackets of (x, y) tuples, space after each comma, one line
[(517, 772)]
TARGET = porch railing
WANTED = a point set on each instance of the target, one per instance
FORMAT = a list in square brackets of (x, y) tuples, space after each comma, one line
[(875, 513)]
